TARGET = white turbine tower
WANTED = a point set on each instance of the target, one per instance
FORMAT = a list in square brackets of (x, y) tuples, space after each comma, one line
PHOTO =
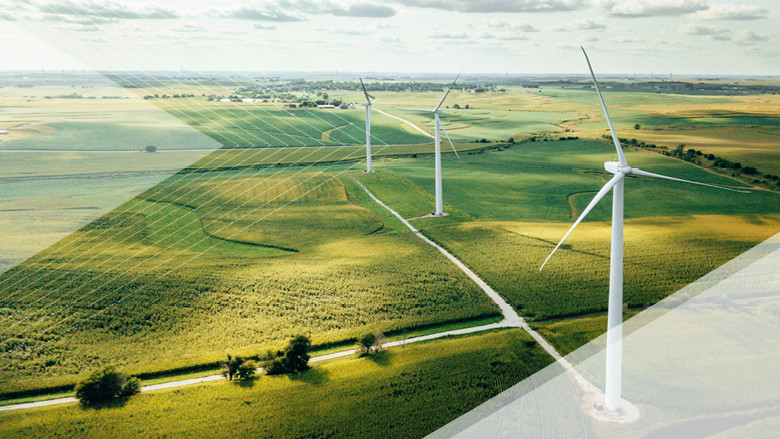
[(367, 104), (620, 170), (437, 142)]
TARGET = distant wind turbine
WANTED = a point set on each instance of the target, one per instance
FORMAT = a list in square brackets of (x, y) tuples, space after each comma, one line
[(437, 142), (620, 170), (367, 104)]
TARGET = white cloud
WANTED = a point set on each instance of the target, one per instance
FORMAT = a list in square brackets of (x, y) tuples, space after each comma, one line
[(520, 26), (746, 37), (582, 24), (717, 33), (652, 8), (486, 6), (506, 36), (447, 35), (731, 12)]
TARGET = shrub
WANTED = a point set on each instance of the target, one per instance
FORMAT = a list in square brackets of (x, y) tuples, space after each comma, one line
[(105, 384), (150, 148), (295, 358), (246, 370)]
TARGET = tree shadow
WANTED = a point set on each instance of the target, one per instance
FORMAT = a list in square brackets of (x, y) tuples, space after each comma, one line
[(381, 358), (314, 376), (246, 382), (110, 404)]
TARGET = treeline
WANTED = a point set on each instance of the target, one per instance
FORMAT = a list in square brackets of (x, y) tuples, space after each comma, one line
[(698, 157), (165, 96)]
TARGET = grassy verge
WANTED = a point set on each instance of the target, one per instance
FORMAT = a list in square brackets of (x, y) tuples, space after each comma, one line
[(401, 393)]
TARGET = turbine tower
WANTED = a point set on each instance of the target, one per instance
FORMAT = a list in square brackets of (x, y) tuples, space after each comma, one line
[(437, 146), (619, 170), (367, 104)]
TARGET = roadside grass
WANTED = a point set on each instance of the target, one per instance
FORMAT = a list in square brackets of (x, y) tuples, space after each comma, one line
[(402, 392)]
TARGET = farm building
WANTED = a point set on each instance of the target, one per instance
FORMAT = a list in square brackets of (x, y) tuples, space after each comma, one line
[(3, 131), (326, 106), (290, 105)]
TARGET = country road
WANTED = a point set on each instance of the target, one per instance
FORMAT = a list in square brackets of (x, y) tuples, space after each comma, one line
[(425, 133)]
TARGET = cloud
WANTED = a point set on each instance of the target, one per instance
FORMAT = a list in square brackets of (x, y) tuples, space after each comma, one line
[(483, 6), (506, 36), (261, 26), (746, 37), (652, 8), (716, 33), (259, 14), (363, 10), (731, 12), (345, 31), (582, 24), (447, 35), (295, 10), (103, 9), (520, 27)]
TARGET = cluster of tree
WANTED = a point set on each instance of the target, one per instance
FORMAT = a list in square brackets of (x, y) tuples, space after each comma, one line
[(695, 156), (293, 359), (370, 343), (165, 96), (239, 368), (106, 384), (457, 107)]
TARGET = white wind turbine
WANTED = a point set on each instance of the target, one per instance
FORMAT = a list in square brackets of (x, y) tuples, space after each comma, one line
[(367, 104), (620, 170), (437, 142)]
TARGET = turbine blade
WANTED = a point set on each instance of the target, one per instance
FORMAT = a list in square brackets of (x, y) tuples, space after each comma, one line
[(368, 99), (615, 140), (441, 125), (602, 193), (447, 92), (427, 110), (642, 173)]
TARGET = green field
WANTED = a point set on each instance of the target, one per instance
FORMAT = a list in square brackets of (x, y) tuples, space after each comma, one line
[(163, 265), (402, 393)]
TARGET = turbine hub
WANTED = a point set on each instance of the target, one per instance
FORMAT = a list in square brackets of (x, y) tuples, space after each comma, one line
[(615, 167)]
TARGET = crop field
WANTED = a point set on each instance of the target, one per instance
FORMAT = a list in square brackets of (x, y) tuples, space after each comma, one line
[(661, 256), (173, 271), (247, 125), (402, 393), (551, 181)]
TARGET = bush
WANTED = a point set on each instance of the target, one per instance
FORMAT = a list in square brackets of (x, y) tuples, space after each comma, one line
[(150, 148), (246, 370), (295, 358), (106, 384)]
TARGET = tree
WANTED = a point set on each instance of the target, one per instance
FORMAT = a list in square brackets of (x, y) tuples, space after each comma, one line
[(150, 148), (366, 342), (231, 366), (371, 343), (246, 370), (456, 107), (106, 384), (637, 126), (295, 358)]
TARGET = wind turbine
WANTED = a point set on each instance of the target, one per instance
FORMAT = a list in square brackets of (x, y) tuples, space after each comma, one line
[(367, 104), (437, 142), (620, 170)]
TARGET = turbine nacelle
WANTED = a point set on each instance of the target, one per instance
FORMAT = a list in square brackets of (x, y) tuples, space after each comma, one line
[(616, 167)]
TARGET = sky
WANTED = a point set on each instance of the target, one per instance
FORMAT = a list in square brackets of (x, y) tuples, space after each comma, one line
[(685, 37)]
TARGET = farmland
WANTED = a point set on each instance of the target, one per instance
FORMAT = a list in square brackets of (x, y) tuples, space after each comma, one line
[(331, 274), (270, 236), (402, 393)]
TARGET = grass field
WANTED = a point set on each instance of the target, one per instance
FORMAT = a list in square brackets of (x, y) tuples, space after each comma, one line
[(549, 181), (326, 269), (402, 393)]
